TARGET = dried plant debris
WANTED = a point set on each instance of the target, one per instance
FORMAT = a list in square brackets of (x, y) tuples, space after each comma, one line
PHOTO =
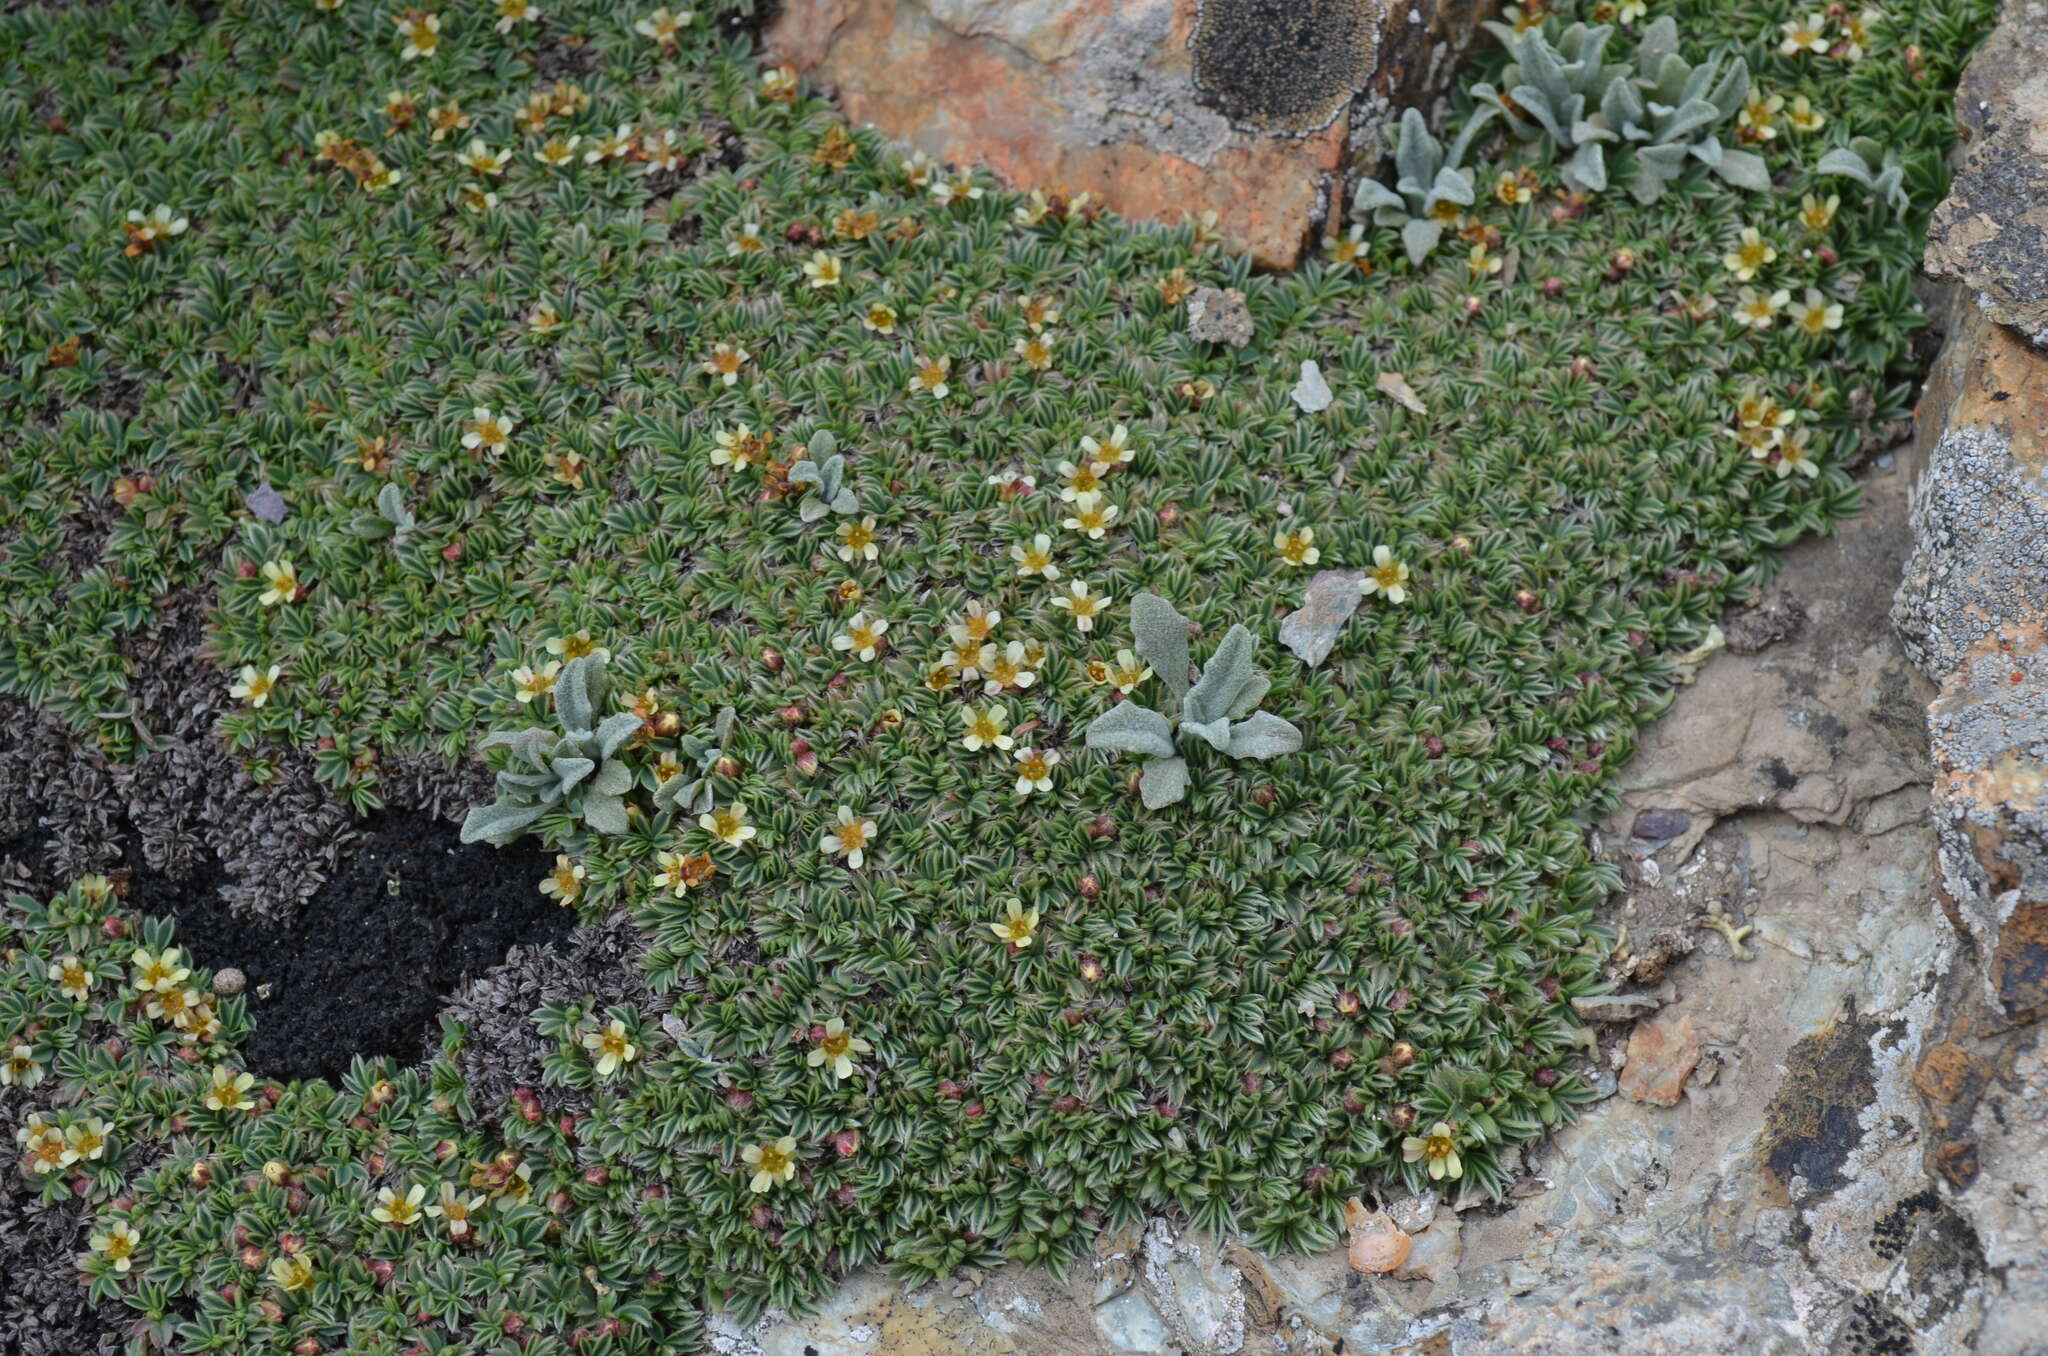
[(581, 339)]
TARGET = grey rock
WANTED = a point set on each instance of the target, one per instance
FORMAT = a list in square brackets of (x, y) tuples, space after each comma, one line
[(267, 504), (1621, 1007), (1659, 826), (1129, 1323), (1311, 631)]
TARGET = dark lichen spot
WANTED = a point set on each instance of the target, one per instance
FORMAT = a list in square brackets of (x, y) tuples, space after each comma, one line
[(1872, 1329), (1779, 776), (1284, 65), (1815, 1120)]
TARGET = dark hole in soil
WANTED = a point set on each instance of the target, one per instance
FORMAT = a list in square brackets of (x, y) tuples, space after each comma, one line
[(412, 914)]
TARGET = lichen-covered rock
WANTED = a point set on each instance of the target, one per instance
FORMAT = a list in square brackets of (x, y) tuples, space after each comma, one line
[(1159, 108), (1217, 315), (1991, 233)]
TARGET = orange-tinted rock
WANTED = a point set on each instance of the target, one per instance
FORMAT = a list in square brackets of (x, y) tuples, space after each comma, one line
[(1661, 1056), (1161, 108)]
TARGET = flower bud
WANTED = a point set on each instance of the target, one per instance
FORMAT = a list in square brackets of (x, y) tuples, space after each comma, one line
[(382, 1269), (1088, 886), (201, 1175), (728, 767), (277, 1172), (738, 1099), (1402, 1053), (114, 928), (1091, 969), (846, 1143), (1402, 1115)]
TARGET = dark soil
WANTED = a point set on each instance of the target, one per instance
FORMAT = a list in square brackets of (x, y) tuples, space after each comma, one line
[(411, 914)]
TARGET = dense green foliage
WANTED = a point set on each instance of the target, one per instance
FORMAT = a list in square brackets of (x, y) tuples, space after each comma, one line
[(1237, 1005)]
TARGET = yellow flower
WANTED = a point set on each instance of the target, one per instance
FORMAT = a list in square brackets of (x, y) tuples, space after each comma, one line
[(422, 34), (725, 362), (988, 728), (879, 318), (1010, 666), (1817, 214), (292, 1274), (159, 972), (87, 1140), (1512, 189), (281, 584), (1035, 350), (47, 1147), (862, 637), (1803, 35), (544, 320), (662, 25), (577, 645), (1482, 262), (1757, 120), (837, 1049), (1751, 253), (558, 151), (1804, 117), (1034, 770), (976, 624), (1816, 315), (1297, 547), (1017, 928), (778, 85), (456, 1210), (20, 1068), (822, 269), (73, 978), (1388, 577), (1091, 516), (739, 447), (255, 684), (849, 837), (478, 158), (1107, 454), (1086, 478), (474, 199), (728, 825), (488, 432), (1856, 33), (857, 540), (1795, 455), (932, 377), (145, 229), (396, 1210), (960, 188), (529, 682), (1083, 605), (230, 1090), (615, 145), (1756, 310), (748, 241), (95, 887), (565, 882), (512, 12), (1036, 558), (1438, 1149), (1348, 250), (1126, 673), (611, 1047), (773, 1163), (172, 1005), (117, 1244)]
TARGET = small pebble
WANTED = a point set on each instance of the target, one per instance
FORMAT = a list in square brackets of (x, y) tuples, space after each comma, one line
[(229, 982)]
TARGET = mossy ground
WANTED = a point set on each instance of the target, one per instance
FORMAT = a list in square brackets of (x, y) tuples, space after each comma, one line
[(1230, 1006)]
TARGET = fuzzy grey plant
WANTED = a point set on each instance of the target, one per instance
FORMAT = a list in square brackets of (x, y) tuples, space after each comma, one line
[(574, 768), (392, 518), (1870, 165), (1427, 181), (825, 472), (1651, 120), (1218, 709)]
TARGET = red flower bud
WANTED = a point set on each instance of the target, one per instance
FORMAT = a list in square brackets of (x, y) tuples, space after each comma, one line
[(846, 1143), (1089, 886), (114, 928), (738, 1099), (771, 660), (948, 1088), (245, 569)]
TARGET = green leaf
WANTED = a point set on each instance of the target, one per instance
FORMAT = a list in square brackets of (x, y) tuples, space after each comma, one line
[(498, 823), (604, 812), (613, 779)]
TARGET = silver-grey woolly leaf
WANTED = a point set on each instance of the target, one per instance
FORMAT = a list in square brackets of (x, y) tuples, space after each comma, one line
[(811, 509), (844, 502), (1744, 169), (1216, 732), (391, 503), (612, 779), (1130, 728), (499, 823), (614, 730), (1164, 781), (605, 812), (1161, 636), (1262, 735), (666, 794), (1223, 678), (571, 771), (1420, 238), (575, 702)]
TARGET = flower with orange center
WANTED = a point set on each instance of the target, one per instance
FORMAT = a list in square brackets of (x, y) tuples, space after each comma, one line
[(1437, 1150), (1388, 577), (229, 1090), (456, 1209), (253, 685), (1040, 313), (1817, 214), (565, 882), (158, 972), (1750, 256), (1034, 770), (988, 728), (1081, 479), (932, 377), (73, 978), (422, 34), (1017, 927), (773, 1162), (612, 1048), (1007, 667), (728, 825), (1297, 547), (487, 432), (849, 837), (678, 872), (862, 637), (725, 362), (1082, 604), (118, 1243), (1035, 350), (1036, 558)]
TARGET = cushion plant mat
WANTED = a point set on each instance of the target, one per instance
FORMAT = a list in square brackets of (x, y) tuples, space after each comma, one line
[(452, 341)]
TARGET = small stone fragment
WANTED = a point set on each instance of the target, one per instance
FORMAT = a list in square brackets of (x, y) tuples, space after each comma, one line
[(1311, 631), (1661, 1056), (267, 504), (1396, 387), (1618, 1007), (1661, 826), (1311, 393), (1217, 315), (229, 982)]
